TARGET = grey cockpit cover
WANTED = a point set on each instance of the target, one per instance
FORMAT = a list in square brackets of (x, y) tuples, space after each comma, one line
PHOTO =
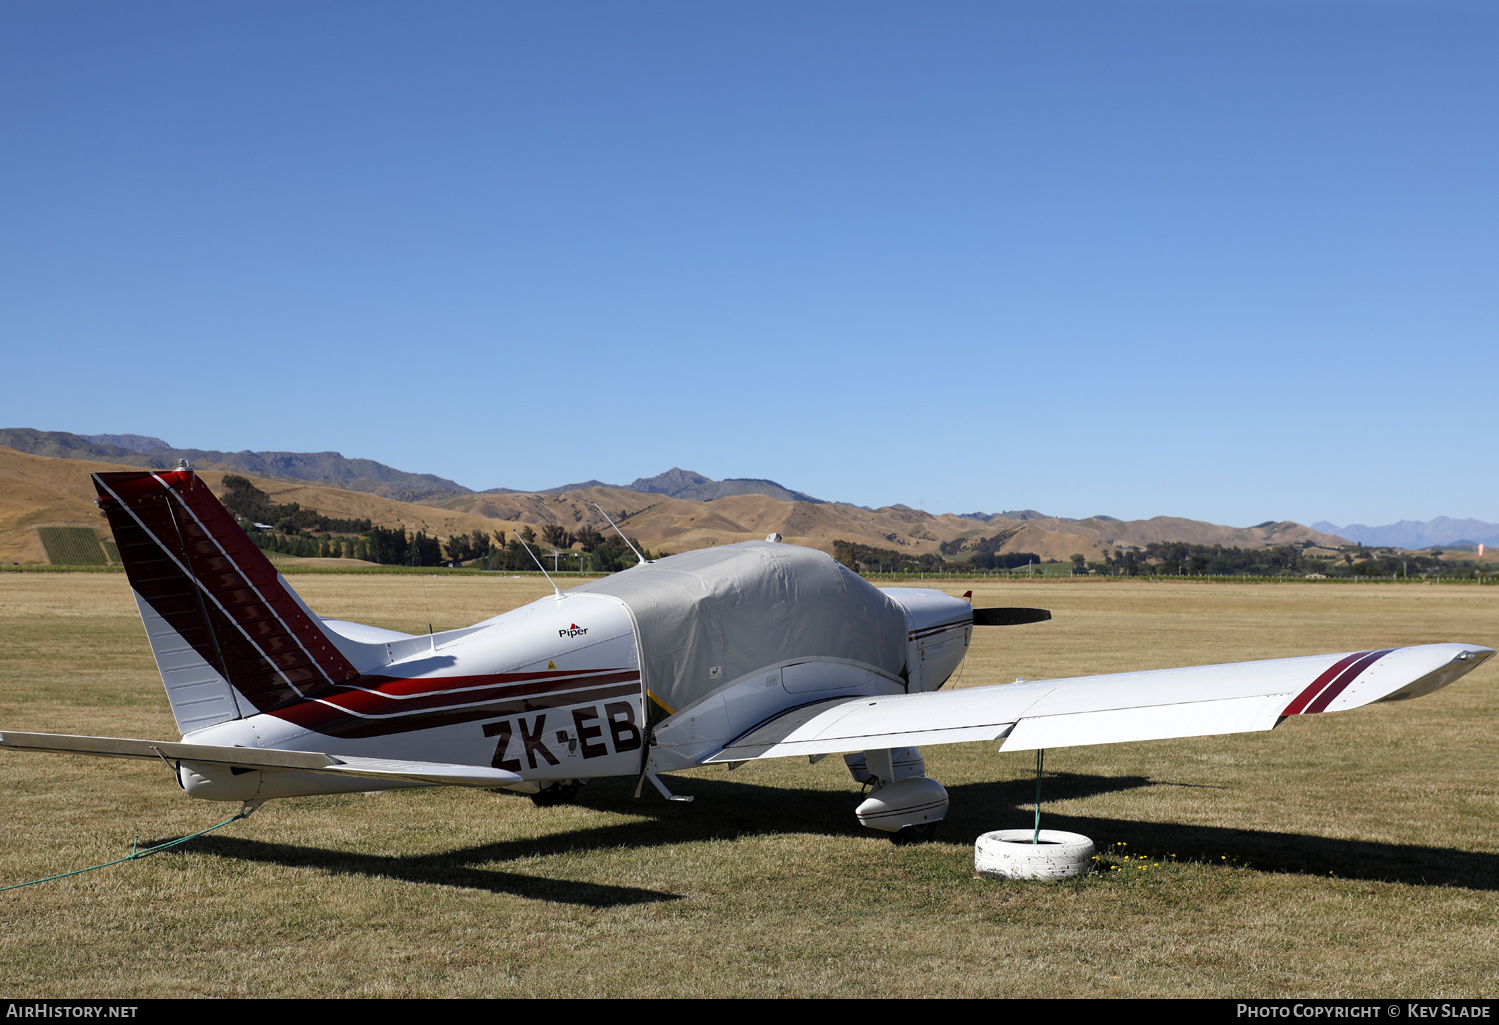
[(737, 608)]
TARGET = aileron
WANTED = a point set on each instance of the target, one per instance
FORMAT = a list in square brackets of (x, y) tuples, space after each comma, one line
[(1162, 704)]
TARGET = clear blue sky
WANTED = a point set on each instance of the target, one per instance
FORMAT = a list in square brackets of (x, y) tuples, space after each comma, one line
[(1231, 261)]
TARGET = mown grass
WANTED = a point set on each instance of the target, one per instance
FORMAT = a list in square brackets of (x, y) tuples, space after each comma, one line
[(1338, 855)]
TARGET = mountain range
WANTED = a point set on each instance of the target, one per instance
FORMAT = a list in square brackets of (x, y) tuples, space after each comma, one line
[(677, 510), (336, 470), (330, 468), (1414, 534), (678, 483)]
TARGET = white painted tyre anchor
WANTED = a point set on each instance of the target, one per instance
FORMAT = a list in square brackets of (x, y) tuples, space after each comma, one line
[(1034, 853), (1010, 854)]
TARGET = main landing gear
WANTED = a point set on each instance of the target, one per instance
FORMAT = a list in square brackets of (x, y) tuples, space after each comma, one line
[(924, 833), (564, 791), (904, 802)]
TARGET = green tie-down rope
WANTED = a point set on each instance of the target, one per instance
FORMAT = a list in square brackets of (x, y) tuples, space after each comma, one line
[(1040, 756), (135, 854)]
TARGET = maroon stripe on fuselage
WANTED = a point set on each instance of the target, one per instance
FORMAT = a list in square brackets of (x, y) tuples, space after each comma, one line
[(520, 683), (380, 717), (1349, 675), (382, 699)]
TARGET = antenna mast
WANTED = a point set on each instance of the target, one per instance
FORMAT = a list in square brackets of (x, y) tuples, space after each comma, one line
[(621, 533), (539, 566)]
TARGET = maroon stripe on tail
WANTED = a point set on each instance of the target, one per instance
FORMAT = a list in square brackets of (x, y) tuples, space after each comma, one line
[(190, 561), (1325, 698)]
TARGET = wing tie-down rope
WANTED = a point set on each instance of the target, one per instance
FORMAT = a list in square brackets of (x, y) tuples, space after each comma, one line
[(137, 854), (1040, 755)]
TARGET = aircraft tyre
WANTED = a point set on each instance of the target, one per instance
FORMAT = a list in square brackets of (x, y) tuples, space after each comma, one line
[(557, 793), (1009, 854), (926, 832)]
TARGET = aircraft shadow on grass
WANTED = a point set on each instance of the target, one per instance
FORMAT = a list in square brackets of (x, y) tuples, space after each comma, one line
[(978, 807), (752, 650), (730, 810), (463, 868)]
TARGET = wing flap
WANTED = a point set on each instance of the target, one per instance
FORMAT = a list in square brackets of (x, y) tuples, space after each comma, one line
[(270, 759), (1151, 722), (847, 724), (1157, 705)]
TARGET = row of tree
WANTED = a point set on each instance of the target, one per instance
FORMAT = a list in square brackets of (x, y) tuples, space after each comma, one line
[(1174, 558), (396, 547), (985, 552), (399, 547), (866, 559), (1177, 558), (982, 546), (294, 531), (1392, 565), (249, 503)]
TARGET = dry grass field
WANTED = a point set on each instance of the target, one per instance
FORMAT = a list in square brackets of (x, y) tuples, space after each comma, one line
[(1340, 855)]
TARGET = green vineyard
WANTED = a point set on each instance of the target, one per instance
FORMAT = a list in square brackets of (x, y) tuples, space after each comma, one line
[(73, 546)]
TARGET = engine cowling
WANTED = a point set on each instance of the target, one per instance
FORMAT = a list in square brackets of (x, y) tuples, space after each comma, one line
[(938, 629)]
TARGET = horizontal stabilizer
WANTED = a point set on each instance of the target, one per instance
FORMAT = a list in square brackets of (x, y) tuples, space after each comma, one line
[(1164, 703), (269, 759)]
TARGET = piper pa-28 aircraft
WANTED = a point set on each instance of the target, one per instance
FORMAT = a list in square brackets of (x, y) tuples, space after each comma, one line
[(724, 655)]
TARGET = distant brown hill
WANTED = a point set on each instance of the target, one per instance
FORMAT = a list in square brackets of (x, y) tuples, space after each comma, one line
[(695, 487), (336, 470), (1112, 533), (42, 491), (46, 491), (329, 468), (37, 491)]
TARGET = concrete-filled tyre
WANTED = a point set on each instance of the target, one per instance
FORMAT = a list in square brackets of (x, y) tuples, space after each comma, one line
[(1009, 854)]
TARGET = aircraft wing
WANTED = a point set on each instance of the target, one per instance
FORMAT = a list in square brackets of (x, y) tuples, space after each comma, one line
[(273, 759), (1197, 701)]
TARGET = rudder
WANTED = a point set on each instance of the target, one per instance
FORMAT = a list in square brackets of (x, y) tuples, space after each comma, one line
[(230, 638)]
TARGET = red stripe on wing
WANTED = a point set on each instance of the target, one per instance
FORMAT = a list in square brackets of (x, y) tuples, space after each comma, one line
[(1336, 687), (1315, 687), (1332, 682)]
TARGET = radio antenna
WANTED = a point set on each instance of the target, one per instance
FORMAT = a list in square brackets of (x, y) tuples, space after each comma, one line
[(538, 564), (621, 533)]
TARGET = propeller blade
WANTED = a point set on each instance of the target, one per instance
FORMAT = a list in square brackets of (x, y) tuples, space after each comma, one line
[(1009, 617)]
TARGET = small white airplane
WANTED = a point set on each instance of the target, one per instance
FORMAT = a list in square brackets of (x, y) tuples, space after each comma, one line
[(724, 655)]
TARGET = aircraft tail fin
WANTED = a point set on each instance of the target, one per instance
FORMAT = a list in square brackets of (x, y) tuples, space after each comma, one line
[(230, 637)]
